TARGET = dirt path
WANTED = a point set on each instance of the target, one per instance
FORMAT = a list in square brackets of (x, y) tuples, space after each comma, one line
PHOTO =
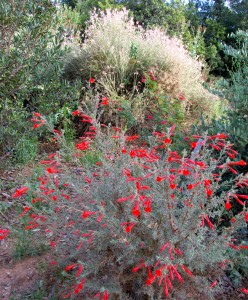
[(18, 277)]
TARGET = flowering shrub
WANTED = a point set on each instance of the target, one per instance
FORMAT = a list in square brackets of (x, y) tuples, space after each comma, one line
[(116, 49), (136, 225)]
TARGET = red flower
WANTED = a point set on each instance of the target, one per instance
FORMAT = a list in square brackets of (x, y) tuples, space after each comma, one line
[(25, 210), (105, 101), (186, 172), (237, 163), (91, 80), (123, 151), (53, 170), (86, 214), (131, 138), (128, 226), (193, 144), (246, 218), (83, 145), (76, 112), (136, 211), (4, 233), (209, 193), (243, 290), (150, 278), (187, 270), (228, 205), (80, 286), (213, 284), (35, 126), (20, 192)]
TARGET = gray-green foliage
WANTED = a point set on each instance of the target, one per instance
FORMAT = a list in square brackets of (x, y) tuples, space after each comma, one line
[(93, 221)]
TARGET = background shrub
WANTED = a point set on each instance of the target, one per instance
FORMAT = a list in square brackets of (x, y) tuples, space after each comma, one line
[(116, 49), (32, 45)]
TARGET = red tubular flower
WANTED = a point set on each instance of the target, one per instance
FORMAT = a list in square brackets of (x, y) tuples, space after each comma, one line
[(147, 206), (232, 170), (4, 233), (84, 145), (191, 186), (193, 145), (105, 295), (243, 247), (228, 205), (123, 150), (20, 192), (80, 286), (209, 222), (237, 163), (25, 210), (234, 247), (135, 269), (169, 282), (167, 141), (53, 170), (91, 80), (186, 172), (135, 210), (164, 246), (104, 101), (35, 126), (245, 291), (178, 251), (187, 270), (125, 198), (76, 113), (213, 284), (242, 196), (80, 270), (131, 138), (47, 162), (159, 178), (218, 136), (237, 199), (209, 192), (129, 228), (70, 267), (150, 278), (166, 291), (36, 114), (32, 225), (246, 217), (178, 276), (172, 129), (86, 214)]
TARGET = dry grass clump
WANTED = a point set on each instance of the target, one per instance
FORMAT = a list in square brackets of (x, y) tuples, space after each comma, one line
[(116, 49)]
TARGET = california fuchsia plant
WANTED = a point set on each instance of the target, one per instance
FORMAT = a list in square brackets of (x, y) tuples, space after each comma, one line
[(144, 222)]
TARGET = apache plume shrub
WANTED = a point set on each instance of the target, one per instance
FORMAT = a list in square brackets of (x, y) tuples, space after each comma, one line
[(137, 225), (116, 48)]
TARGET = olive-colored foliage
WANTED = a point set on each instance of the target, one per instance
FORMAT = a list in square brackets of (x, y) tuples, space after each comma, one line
[(219, 20), (32, 45), (234, 121)]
